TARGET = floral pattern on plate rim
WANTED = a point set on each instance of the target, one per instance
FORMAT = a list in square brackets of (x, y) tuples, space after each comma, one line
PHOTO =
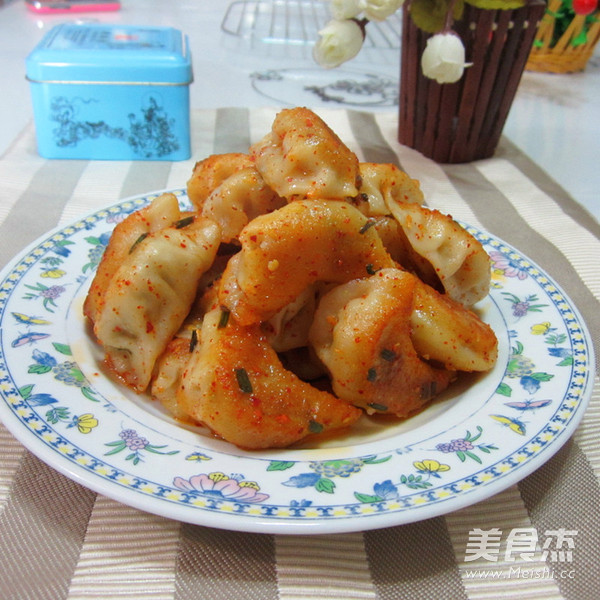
[(540, 398)]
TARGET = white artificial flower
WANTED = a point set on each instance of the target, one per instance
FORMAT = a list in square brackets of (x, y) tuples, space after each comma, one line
[(338, 42), (379, 10), (345, 9), (444, 58)]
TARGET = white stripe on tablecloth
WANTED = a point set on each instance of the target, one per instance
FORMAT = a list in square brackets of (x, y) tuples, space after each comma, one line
[(11, 452), (17, 167), (577, 244), (261, 122), (507, 512), (99, 186), (126, 554), (323, 567)]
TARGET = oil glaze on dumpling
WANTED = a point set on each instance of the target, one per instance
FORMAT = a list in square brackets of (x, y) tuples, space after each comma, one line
[(289, 249), (236, 385)]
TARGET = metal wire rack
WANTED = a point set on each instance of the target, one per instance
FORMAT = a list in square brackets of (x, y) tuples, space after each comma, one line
[(297, 22)]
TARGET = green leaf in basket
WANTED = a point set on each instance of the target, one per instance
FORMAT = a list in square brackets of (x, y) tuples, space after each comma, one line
[(579, 40)]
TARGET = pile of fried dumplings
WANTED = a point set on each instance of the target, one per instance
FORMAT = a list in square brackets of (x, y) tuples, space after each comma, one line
[(303, 290)]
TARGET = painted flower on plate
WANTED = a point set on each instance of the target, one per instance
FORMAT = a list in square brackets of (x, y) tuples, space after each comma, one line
[(221, 486)]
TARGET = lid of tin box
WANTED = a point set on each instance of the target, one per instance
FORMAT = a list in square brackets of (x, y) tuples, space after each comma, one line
[(103, 53)]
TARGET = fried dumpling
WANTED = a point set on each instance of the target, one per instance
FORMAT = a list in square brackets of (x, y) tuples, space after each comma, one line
[(458, 260), (303, 158), (383, 184), (289, 249), (391, 343), (236, 385), (162, 212), (210, 173), (237, 200), (150, 296)]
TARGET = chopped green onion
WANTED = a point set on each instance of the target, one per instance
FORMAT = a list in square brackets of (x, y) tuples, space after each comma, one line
[(388, 355), (184, 222), (428, 390), (223, 319), (243, 381), (366, 226), (138, 241), (371, 270), (379, 407), (372, 374), (194, 340), (315, 427)]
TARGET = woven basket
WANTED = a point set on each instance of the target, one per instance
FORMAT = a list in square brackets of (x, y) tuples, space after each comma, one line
[(563, 57), (461, 122)]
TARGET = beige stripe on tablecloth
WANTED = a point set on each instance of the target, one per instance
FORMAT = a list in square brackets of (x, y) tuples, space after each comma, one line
[(222, 565), (145, 176), (370, 140), (41, 531), (11, 452), (126, 554), (232, 130), (416, 560), (587, 432), (481, 576), (17, 165), (323, 566), (549, 494), (203, 125), (39, 206)]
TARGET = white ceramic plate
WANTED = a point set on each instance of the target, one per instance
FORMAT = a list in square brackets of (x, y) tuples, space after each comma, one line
[(486, 433)]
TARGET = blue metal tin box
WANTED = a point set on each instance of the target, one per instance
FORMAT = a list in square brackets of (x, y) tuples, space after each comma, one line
[(111, 92)]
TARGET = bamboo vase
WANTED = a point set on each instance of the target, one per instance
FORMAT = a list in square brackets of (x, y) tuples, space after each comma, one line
[(463, 121)]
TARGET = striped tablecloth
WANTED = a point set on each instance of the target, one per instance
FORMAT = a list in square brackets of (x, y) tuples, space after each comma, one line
[(61, 540)]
